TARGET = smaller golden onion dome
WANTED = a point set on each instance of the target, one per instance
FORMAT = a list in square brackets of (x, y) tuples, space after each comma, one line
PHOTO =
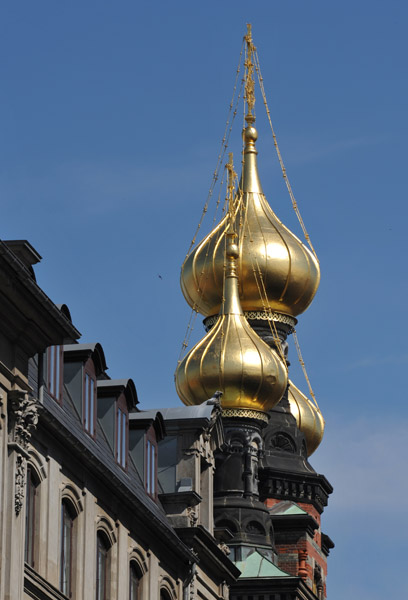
[(308, 417), (276, 270), (232, 358)]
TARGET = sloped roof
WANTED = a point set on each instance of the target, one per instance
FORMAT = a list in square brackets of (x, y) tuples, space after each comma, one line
[(256, 566), (287, 508)]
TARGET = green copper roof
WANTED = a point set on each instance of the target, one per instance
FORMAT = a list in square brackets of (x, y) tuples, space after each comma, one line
[(257, 565), (287, 508)]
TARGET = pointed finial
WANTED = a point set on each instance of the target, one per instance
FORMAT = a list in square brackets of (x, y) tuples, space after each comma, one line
[(249, 80)]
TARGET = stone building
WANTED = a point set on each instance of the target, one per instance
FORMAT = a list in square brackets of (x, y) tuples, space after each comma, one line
[(83, 510)]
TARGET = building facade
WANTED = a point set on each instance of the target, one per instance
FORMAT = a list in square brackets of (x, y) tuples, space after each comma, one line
[(83, 510)]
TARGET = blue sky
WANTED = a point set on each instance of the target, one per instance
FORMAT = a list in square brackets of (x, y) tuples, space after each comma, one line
[(112, 115)]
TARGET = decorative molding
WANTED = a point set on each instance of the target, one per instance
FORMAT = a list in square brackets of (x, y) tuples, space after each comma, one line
[(104, 525), (70, 494), (23, 419), (245, 413), (257, 315), (19, 483)]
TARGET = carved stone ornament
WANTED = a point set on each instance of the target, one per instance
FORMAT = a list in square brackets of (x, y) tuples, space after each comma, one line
[(1, 412), (192, 515), (226, 549), (19, 483), (23, 419)]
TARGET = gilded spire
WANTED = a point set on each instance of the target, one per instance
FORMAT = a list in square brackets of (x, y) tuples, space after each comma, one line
[(277, 272), (249, 79)]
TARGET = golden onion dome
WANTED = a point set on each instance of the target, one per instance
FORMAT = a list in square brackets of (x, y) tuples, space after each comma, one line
[(233, 359), (308, 417), (276, 270)]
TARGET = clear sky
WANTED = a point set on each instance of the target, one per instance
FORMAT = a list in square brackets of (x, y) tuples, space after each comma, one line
[(111, 119)]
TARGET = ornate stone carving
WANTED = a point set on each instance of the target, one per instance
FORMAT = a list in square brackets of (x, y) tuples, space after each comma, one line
[(23, 418), (1, 411), (226, 549), (19, 483), (192, 515)]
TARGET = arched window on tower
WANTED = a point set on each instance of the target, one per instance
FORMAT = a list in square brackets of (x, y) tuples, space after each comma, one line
[(102, 566), (31, 517)]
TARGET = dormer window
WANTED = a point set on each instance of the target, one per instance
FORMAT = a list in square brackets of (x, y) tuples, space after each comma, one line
[(121, 431), (54, 369), (89, 407)]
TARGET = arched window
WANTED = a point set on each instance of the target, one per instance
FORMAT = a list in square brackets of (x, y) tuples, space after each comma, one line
[(30, 520), (134, 581), (102, 566), (67, 528), (164, 595)]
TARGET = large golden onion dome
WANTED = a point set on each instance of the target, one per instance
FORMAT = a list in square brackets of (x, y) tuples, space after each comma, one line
[(308, 417), (233, 359), (276, 270)]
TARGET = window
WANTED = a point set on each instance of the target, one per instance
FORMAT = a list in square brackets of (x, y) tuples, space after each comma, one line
[(102, 567), (67, 521), (134, 582), (30, 520), (151, 465), (89, 407), (54, 370), (121, 431)]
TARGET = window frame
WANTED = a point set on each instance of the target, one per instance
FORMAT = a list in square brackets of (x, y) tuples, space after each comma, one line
[(54, 356), (121, 432), (66, 510), (151, 451), (30, 528), (103, 543), (135, 577), (89, 396)]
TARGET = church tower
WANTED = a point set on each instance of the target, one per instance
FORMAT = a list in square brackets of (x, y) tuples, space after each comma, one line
[(251, 277)]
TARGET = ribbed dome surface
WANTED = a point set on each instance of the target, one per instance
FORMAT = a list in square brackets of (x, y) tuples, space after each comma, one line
[(308, 418), (233, 359), (275, 267)]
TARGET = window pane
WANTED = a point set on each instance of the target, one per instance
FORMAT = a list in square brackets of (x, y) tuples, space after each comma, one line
[(57, 359), (91, 406), (119, 435), (66, 550), (133, 583), (124, 432), (86, 403), (30, 520), (51, 383), (148, 467), (101, 564), (153, 470)]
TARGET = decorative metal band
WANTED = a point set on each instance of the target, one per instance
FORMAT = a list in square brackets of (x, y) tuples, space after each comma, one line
[(245, 413), (262, 315), (258, 315)]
